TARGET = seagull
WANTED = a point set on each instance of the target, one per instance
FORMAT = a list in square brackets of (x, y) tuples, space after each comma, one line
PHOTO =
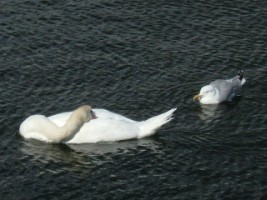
[(220, 90)]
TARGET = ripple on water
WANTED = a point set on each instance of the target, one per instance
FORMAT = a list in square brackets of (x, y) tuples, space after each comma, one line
[(139, 59)]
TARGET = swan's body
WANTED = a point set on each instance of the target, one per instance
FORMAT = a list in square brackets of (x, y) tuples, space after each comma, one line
[(107, 127), (219, 91)]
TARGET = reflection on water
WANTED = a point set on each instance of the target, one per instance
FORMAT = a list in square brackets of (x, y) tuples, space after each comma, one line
[(208, 113), (115, 147), (211, 112), (84, 153)]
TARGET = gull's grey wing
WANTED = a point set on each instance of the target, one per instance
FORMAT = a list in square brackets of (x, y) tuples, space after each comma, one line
[(230, 87), (224, 87), (236, 83)]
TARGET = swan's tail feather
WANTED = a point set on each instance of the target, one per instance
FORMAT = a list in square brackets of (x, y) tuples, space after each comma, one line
[(150, 126)]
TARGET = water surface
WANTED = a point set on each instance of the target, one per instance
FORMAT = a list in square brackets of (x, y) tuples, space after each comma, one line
[(139, 59)]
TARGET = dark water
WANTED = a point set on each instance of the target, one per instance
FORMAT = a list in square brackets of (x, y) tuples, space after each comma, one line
[(136, 58)]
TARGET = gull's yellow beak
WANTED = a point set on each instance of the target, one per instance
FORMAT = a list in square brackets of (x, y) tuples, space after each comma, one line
[(197, 97)]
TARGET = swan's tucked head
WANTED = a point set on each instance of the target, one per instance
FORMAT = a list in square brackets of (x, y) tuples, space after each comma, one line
[(85, 113), (206, 92)]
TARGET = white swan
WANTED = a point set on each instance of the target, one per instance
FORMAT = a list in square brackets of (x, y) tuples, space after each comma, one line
[(85, 125)]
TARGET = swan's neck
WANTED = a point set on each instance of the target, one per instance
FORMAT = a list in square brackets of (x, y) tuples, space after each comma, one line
[(72, 126), (42, 128), (56, 134)]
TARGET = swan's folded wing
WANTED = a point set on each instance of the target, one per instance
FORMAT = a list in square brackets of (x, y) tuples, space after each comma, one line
[(105, 114), (60, 119), (106, 130)]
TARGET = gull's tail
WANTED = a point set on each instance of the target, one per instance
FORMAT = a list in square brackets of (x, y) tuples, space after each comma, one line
[(241, 77), (149, 127)]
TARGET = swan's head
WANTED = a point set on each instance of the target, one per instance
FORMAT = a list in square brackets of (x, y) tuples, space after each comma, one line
[(85, 113), (206, 94)]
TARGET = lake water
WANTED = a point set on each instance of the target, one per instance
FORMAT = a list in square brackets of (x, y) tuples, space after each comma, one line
[(137, 58)]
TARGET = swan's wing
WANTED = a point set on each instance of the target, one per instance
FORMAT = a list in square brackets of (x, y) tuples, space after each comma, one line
[(105, 114), (106, 130), (108, 126), (60, 119)]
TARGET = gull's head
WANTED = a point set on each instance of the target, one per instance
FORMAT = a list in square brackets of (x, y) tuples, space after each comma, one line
[(206, 95)]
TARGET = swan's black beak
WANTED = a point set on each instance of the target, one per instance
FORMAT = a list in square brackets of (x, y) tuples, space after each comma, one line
[(93, 114)]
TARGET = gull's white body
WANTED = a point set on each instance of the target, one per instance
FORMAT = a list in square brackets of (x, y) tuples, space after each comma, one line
[(220, 90), (107, 127)]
